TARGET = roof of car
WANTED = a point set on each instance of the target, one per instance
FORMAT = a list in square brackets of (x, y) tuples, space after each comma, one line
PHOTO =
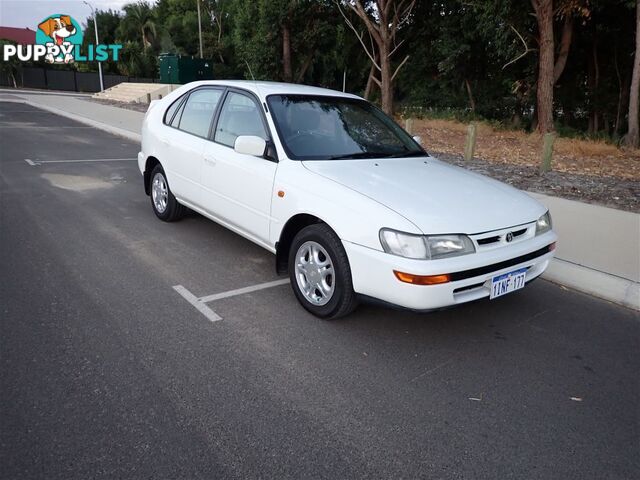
[(263, 89)]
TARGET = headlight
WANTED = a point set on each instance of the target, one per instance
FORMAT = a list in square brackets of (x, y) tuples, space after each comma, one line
[(403, 244), (449, 245), (543, 224), (429, 247)]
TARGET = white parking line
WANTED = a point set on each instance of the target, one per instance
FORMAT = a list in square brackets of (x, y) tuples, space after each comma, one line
[(200, 303), (42, 162), (195, 301), (241, 291)]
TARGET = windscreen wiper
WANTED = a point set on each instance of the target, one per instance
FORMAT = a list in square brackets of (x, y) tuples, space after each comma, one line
[(360, 155), (415, 153)]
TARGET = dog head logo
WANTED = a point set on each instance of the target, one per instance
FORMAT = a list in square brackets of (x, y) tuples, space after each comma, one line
[(60, 33)]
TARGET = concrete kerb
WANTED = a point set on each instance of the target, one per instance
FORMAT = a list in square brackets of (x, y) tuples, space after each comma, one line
[(595, 283), (36, 91), (600, 284)]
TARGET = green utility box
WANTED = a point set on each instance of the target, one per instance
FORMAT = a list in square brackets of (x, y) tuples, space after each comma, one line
[(179, 70)]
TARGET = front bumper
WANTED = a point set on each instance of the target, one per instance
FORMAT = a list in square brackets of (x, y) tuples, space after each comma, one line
[(372, 272), (141, 161)]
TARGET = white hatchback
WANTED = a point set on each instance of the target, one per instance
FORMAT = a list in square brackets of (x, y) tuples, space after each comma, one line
[(350, 204)]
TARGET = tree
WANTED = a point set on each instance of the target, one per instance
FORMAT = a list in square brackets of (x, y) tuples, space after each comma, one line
[(218, 11), (10, 66), (544, 16), (177, 20), (632, 138), (138, 23), (480, 58), (382, 19), (282, 39), (108, 21)]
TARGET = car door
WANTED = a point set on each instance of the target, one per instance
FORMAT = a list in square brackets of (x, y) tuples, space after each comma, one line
[(238, 188), (184, 138)]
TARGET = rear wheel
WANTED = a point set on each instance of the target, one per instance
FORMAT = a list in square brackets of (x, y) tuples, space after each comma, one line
[(164, 204), (320, 273)]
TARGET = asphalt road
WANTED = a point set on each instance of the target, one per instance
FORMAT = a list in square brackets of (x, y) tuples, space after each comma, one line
[(107, 372)]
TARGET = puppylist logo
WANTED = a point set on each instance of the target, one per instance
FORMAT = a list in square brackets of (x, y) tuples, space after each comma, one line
[(59, 40)]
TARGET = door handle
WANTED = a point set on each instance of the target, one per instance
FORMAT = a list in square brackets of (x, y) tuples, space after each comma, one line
[(164, 140), (211, 162)]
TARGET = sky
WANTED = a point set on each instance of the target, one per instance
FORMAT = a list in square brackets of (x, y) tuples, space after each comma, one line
[(29, 13)]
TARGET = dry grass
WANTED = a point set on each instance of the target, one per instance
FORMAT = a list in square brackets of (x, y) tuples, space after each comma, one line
[(517, 147)]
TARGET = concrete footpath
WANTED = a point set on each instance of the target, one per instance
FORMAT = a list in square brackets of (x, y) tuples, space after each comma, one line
[(598, 250)]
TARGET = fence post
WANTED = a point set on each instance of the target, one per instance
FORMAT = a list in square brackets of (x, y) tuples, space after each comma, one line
[(148, 98), (408, 125), (547, 151), (470, 143)]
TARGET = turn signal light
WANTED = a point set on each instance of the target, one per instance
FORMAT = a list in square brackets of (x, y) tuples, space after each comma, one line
[(552, 247), (422, 279)]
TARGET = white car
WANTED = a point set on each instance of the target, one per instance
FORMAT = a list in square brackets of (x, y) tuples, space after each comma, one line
[(350, 204)]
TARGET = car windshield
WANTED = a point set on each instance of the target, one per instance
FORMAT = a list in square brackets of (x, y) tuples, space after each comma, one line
[(337, 128)]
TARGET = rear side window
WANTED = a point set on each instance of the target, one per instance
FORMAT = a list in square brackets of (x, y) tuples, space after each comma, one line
[(171, 110), (239, 116), (176, 119), (198, 111)]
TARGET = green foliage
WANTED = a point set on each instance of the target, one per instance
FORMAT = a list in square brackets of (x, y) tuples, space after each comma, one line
[(139, 24), (137, 61), (468, 59), (9, 67), (108, 22)]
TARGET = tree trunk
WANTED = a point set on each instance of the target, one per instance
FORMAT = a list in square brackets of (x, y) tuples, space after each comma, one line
[(565, 44), (516, 120), (632, 138), (286, 54), (386, 89), (624, 101), (370, 83), (382, 28), (544, 16), (593, 80), (616, 124), (472, 102), (305, 66)]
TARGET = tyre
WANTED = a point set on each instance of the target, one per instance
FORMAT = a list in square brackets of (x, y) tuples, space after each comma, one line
[(320, 273), (164, 204)]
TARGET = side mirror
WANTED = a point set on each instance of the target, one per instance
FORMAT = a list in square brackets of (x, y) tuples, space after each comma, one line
[(250, 145), (418, 139)]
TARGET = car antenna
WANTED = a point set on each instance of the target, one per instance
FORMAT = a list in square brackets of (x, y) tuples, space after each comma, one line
[(247, 63)]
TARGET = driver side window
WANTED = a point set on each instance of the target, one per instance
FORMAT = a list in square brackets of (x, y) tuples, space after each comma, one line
[(239, 116)]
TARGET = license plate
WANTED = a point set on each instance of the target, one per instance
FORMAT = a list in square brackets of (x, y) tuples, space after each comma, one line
[(508, 282)]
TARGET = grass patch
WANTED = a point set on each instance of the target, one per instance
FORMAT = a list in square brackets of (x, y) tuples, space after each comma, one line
[(517, 147)]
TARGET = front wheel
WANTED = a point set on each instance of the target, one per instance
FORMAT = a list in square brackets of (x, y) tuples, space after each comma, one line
[(164, 204), (320, 273)]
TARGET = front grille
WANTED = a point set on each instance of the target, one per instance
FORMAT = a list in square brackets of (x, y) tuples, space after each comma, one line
[(475, 272), (486, 241), (468, 287), (496, 238)]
